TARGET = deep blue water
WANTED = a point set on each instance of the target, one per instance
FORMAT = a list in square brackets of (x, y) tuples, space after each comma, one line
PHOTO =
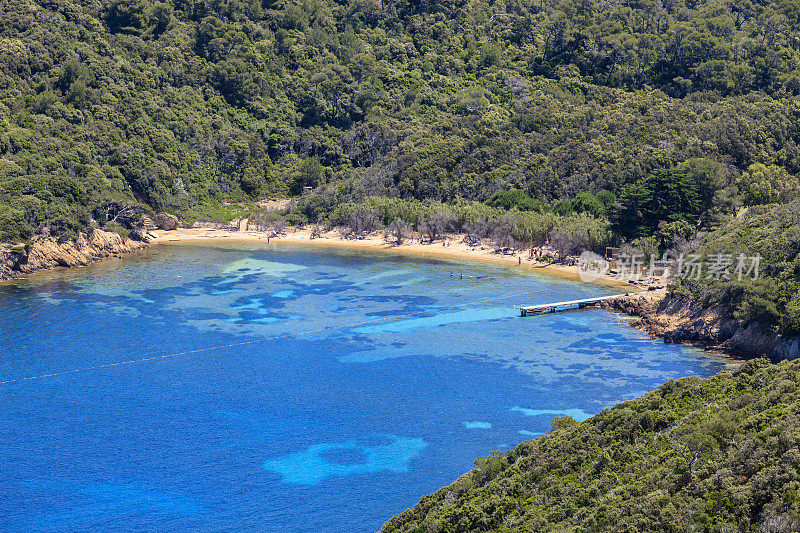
[(279, 389)]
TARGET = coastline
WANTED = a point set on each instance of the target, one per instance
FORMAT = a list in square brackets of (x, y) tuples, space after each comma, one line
[(690, 323), (105, 248), (451, 250), (651, 310), (46, 253)]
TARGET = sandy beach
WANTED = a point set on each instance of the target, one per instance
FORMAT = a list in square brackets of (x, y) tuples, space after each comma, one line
[(450, 248)]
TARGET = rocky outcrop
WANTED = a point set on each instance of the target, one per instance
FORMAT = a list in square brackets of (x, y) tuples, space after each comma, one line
[(682, 321), (141, 234), (166, 221), (46, 252), (8, 261)]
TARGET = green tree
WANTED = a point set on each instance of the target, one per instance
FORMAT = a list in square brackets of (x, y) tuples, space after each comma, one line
[(763, 184), (663, 196)]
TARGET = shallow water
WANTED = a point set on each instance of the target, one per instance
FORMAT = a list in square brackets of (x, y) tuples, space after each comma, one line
[(287, 389)]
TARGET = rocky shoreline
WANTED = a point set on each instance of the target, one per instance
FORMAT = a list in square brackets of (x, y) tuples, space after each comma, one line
[(679, 321), (656, 312), (46, 252)]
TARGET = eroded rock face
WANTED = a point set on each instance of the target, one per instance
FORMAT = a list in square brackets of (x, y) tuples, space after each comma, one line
[(46, 252), (141, 234), (756, 340), (166, 221), (681, 321), (8, 260)]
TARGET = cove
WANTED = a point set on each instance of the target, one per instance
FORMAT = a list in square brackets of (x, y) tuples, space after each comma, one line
[(281, 388)]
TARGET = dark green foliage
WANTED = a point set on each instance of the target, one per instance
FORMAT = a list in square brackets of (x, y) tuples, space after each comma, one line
[(663, 196), (720, 454), (586, 202), (562, 422), (514, 199), (561, 207), (177, 104)]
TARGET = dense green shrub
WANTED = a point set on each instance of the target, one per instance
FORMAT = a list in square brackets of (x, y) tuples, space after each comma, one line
[(514, 198), (772, 234)]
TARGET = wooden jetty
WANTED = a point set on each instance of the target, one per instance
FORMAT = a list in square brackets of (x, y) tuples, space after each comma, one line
[(554, 307)]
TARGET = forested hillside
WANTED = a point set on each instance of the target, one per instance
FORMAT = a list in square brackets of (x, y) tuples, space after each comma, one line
[(679, 112), (719, 454), (773, 299)]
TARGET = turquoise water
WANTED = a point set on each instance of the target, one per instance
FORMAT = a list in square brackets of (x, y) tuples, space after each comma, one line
[(287, 389)]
